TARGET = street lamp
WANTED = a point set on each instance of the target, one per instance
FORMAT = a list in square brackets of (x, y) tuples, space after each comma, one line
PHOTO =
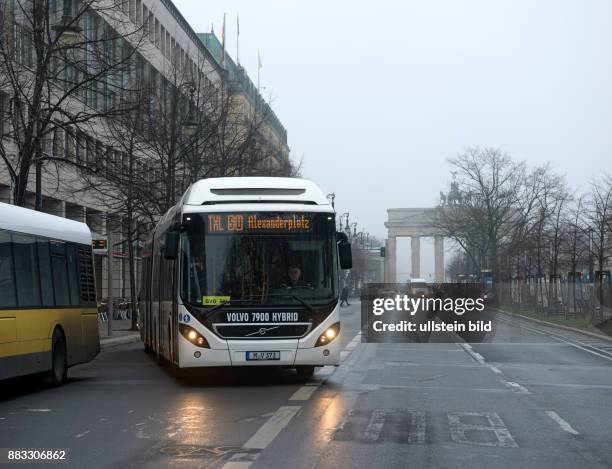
[(331, 197), (190, 126), (67, 30), (345, 214)]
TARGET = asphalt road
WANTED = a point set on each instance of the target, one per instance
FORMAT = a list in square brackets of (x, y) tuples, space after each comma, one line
[(534, 397)]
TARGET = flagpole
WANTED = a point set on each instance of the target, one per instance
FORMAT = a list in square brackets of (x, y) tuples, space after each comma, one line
[(238, 39), (258, 69), (223, 42)]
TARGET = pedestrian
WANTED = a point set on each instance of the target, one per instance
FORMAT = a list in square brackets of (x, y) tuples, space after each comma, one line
[(344, 296)]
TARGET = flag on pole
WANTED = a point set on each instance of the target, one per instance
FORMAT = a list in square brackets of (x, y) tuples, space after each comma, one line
[(223, 41), (259, 64)]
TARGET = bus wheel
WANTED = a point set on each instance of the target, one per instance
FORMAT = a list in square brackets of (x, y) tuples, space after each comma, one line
[(59, 361), (305, 371)]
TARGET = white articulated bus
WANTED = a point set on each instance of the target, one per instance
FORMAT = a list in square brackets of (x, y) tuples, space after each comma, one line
[(244, 271)]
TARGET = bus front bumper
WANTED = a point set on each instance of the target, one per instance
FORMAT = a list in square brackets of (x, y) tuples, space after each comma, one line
[(289, 351)]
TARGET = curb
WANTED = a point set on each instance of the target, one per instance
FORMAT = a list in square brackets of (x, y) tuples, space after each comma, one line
[(558, 326), (115, 341)]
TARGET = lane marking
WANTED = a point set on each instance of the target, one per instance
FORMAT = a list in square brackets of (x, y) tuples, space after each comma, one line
[(377, 387), (495, 369), (476, 356), (516, 387), (304, 393), (81, 435), (38, 410), (562, 423), (375, 425), (270, 430)]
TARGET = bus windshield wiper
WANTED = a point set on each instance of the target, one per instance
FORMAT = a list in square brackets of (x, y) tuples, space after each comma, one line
[(295, 297)]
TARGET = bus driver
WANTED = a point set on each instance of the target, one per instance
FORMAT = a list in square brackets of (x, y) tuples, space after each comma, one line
[(294, 273)]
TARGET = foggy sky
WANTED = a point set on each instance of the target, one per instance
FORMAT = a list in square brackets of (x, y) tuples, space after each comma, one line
[(377, 95)]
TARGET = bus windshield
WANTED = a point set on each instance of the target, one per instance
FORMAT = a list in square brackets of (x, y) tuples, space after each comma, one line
[(256, 258)]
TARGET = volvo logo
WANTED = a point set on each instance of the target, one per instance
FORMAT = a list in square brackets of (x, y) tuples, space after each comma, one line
[(262, 331)]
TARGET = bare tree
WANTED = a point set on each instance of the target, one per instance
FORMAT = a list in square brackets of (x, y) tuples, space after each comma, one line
[(599, 216), (60, 72), (489, 184)]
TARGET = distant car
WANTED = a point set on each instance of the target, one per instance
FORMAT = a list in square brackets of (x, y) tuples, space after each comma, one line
[(419, 286)]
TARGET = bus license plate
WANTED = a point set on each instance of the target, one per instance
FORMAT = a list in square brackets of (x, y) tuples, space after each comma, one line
[(262, 356)]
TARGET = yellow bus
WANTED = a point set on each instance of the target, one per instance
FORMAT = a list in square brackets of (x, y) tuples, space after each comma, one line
[(48, 309)]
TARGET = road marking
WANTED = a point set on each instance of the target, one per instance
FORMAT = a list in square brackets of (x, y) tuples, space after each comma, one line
[(562, 423), (375, 425), (516, 387), (495, 369), (459, 428), (81, 435), (270, 430), (401, 426), (476, 356), (38, 410), (419, 425), (303, 393)]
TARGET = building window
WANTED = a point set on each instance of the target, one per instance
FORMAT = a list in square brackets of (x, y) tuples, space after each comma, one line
[(145, 21), (58, 143), (69, 144), (151, 27), (138, 12)]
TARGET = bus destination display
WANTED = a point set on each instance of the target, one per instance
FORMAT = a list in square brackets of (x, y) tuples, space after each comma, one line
[(219, 223)]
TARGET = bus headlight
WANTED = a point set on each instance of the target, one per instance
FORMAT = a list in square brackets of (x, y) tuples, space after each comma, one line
[(330, 334), (193, 336)]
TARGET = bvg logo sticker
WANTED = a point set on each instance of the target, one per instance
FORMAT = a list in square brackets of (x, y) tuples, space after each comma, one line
[(184, 317)]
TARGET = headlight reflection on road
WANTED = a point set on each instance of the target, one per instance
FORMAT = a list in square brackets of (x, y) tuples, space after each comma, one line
[(191, 421)]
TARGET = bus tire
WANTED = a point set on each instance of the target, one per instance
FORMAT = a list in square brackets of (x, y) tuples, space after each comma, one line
[(305, 371), (59, 359)]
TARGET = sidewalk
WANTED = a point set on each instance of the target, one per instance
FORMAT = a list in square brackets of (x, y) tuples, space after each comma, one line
[(121, 333)]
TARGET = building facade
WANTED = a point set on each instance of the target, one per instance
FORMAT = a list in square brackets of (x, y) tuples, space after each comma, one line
[(161, 50)]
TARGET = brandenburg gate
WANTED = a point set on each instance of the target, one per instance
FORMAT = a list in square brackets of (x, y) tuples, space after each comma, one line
[(415, 223)]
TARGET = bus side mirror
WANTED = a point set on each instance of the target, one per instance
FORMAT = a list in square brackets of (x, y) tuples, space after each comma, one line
[(344, 251), (172, 245), (345, 255)]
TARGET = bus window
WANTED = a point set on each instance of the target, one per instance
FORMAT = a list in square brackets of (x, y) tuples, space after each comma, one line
[(26, 270), (86, 273), (60, 279), (7, 285), (46, 279), (73, 277)]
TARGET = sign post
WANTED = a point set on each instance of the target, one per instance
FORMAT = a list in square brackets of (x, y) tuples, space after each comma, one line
[(109, 276)]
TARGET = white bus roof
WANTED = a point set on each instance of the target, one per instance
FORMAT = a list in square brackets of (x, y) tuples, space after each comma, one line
[(24, 220), (254, 189)]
